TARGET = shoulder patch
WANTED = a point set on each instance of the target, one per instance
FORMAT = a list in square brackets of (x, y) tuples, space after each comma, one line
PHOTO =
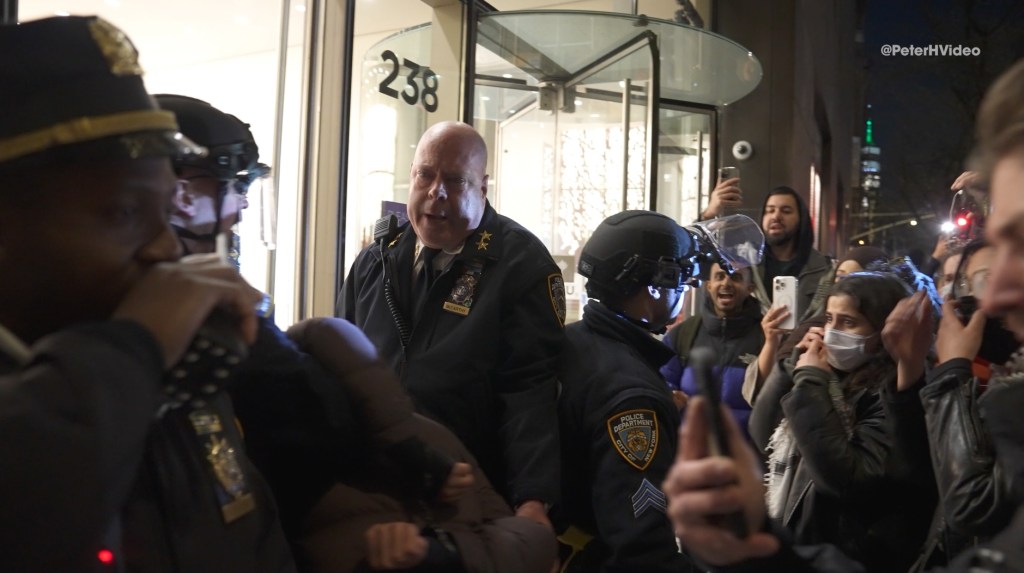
[(634, 434), (556, 291)]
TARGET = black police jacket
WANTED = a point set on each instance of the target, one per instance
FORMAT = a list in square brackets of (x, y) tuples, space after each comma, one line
[(482, 348), (618, 441), (90, 471)]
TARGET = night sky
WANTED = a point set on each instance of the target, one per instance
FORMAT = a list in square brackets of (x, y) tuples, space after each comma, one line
[(923, 107)]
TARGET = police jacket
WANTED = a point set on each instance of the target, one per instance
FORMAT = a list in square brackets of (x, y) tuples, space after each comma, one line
[(478, 352), (618, 441), (92, 463)]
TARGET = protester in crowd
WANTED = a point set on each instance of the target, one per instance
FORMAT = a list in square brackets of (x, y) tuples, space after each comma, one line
[(378, 514), (830, 477), (972, 486), (728, 324), (701, 489), (774, 349)]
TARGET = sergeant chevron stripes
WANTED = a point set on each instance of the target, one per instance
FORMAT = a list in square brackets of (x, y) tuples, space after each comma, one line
[(648, 496)]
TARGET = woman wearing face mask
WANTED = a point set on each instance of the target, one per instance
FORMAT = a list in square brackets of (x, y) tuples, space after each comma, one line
[(831, 476)]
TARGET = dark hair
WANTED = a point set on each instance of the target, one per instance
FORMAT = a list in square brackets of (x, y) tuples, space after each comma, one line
[(875, 295), (805, 231)]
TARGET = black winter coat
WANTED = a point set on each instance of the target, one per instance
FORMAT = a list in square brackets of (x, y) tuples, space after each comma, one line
[(618, 425), (88, 464), (483, 346)]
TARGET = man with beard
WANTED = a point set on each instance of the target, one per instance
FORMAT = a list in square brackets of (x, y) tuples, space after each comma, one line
[(789, 236), (728, 323)]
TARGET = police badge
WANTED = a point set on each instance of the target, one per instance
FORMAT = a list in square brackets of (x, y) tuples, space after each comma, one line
[(460, 299), (231, 487)]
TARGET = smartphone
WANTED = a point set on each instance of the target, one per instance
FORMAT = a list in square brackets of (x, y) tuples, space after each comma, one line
[(728, 172), (784, 293), (702, 360), (965, 307)]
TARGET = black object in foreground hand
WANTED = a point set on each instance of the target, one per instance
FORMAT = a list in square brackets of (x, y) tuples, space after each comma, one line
[(703, 360)]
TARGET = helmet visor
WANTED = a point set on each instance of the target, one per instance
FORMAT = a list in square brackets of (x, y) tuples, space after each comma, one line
[(737, 240)]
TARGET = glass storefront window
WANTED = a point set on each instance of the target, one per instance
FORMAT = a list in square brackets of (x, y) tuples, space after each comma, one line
[(407, 61), (229, 54)]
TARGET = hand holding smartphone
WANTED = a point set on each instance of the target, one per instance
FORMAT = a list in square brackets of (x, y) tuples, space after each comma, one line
[(728, 172), (784, 291), (702, 360)]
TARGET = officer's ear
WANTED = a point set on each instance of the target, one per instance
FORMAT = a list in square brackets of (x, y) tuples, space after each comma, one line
[(483, 184)]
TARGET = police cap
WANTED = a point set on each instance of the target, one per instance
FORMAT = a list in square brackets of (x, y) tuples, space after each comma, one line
[(72, 90)]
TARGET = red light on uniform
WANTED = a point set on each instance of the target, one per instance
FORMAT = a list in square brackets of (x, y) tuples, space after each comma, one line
[(105, 556), (961, 221)]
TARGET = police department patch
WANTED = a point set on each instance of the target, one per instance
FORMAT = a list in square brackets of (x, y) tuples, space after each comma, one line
[(556, 291), (634, 434)]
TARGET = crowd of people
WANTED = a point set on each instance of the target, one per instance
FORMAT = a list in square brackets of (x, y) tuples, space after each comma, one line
[(156, 419)]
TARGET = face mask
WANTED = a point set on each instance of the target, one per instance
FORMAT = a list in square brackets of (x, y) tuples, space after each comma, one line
[(847, 351), (946, 291)]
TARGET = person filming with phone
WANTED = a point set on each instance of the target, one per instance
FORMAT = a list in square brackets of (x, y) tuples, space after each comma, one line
[(831, 474)]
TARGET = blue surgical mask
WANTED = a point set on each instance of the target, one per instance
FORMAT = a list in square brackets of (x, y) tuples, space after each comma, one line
[(847, 351)]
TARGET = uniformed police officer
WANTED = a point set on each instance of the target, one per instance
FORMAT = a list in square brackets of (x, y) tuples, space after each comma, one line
[(618, 419), (308, 418), (468, 306), (116, 456)]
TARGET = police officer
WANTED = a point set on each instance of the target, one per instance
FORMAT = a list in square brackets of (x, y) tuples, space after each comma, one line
[(618, 419), (119, 455), (300, 418), (468, 306)]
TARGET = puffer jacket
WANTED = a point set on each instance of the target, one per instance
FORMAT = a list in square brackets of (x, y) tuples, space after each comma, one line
[(480, 524)]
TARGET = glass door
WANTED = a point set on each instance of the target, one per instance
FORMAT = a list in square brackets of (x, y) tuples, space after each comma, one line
[(567, 153)]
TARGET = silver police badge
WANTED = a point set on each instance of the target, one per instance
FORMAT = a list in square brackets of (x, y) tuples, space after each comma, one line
[(634, 434)]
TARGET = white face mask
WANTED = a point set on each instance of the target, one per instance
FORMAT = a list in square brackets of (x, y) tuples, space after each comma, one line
[(946, 291), (846, 351)]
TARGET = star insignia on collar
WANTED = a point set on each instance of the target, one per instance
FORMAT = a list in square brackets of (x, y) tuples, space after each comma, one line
[(482, 244)]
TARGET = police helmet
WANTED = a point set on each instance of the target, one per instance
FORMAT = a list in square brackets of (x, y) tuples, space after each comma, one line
[(233, 153), (634, 249)]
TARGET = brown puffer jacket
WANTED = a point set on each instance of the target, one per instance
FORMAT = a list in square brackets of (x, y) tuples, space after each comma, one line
[(407, 457), (489, 538)]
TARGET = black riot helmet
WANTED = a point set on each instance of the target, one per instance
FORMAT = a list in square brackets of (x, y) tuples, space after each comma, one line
[(232, 158), (233, 154), (635, 249)]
